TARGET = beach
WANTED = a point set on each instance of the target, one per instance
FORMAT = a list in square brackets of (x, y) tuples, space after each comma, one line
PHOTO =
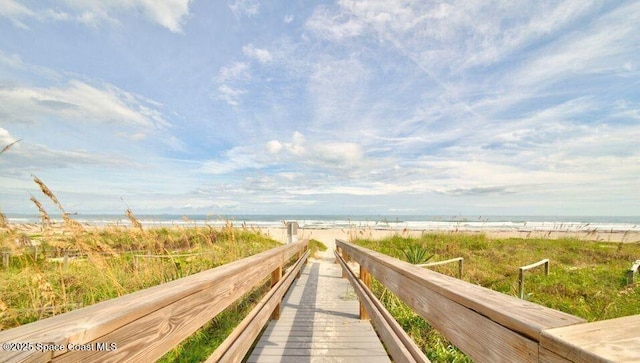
[(328, 228), (329, 235)]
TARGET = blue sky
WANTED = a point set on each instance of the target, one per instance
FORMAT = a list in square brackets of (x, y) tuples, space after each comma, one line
[(320, 107)]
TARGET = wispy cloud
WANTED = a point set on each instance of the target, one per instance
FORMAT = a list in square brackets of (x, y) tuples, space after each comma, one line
[(245, 8), (80, 102), (170, 14), (262, 55)]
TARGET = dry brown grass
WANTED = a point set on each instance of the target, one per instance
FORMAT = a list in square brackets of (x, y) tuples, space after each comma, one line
[(9, 146), (44, 216), (4, 223), (134, 221), (46, 191)]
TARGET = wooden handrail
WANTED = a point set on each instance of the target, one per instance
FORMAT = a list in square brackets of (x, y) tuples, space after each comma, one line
[(522, 269), (241, 339), (144, 325), (459, 260), (485, 324), (398, 343)]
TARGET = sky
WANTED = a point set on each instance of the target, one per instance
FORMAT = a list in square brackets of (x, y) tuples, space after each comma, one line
[(377, 107)]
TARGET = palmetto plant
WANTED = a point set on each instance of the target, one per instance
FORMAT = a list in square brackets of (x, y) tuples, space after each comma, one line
[(416, 254)]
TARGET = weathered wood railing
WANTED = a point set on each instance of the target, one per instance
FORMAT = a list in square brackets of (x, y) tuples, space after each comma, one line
[(493, 327), (144, 325), (399, 345), (522, 269), (459, 260)]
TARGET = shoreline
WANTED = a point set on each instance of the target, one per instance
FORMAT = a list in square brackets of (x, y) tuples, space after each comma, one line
[(327, 235)]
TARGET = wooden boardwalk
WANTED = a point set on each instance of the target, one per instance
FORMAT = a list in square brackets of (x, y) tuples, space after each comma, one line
[(319, 323)]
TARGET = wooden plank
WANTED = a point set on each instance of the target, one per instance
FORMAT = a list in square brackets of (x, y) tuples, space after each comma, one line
[(547, 356), (318, 359), (614, 340), (526, 318), (125, 317), (279, 339), (311, 344), (325, 352)]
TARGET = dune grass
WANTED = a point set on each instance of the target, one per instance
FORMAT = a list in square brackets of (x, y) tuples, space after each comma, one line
[(587, 279), (38, 287)]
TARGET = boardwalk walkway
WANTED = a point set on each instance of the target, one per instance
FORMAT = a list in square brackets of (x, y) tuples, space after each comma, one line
[(319, 323)]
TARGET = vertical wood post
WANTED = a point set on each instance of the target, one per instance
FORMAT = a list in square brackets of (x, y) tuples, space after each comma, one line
[(546, 268), (300, 253), (345, 257), (5, 259), (276, 275), (460, 264), (521, 284), (632, 270), (365, 277)]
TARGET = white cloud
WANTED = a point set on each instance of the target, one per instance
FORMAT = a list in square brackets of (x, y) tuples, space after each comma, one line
[(604, 47), (170, 14), (16, 12), (230, 95), (6, 138), (80, 102), (262, 55), (274, 146), (326, 24), (230, 82), (248, 8), (237, 71)]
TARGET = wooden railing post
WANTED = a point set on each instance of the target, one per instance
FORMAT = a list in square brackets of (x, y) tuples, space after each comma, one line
[(345, 257), (365, 277), (632, 271), (276, 275)]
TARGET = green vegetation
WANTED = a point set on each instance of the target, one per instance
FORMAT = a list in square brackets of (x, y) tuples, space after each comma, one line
[(103, 266), (416, 254), (587, 279), (316, 246)]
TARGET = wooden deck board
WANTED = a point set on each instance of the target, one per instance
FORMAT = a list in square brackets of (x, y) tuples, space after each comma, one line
[(614, 340), (319, 323)]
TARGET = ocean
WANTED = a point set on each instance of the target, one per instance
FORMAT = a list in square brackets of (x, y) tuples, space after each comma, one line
[(384, 222)]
